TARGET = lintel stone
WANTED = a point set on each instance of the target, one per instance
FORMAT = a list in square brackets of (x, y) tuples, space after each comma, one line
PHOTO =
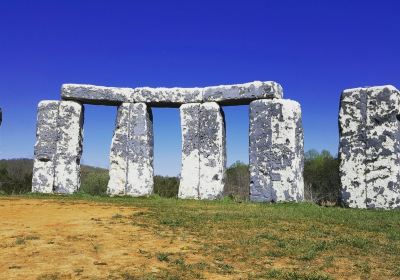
[(237, 94), (98, 95)]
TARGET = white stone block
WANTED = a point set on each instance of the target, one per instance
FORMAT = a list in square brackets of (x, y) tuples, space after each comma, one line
[(240, 94), (276, 151), (45, 147), (369, 121), (131, 156), (212, 151), (119, 152), (203, 151), (167, 97), (92, 94), (190, 171), (352, 120), (140, 157), (69, 147)]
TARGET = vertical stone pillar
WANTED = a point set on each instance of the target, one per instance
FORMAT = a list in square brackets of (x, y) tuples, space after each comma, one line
[(382, 174), (212, 151), (190, 171), (131, 155), (276, 151), (119, 152), (370, 147), (69, 147), (140, 147), (45, 147), (352, 148), (203, 151)]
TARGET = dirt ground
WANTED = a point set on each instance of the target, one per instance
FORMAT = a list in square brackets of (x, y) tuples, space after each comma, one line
[(46, 239)]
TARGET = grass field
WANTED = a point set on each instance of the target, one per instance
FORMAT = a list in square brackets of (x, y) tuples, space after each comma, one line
[(85, 237)]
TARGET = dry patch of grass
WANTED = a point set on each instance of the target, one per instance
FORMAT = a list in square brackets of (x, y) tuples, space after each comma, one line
[(155, 238)]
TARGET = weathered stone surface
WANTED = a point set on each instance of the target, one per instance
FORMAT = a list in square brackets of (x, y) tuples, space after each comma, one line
[(203, 151), (352, 148), (119, 152), (131, 156), (383, 148), (173, 97), (242, 93), (212, 151), (96, 94), (140, 157), (45, 147), (168, 97), (69, 147), (276, 151), (370, 147), (190, 171)]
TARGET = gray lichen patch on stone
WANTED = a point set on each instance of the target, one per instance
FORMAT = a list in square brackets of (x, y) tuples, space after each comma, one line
[(370, 147), (240, 94), (276, 151), (203, 151), (45, 147), (92, 94), (168, 97), (131, 155)]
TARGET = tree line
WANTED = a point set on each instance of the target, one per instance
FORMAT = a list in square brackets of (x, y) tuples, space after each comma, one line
[(321, 179)]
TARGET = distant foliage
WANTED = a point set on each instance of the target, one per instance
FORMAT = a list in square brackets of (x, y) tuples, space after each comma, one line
[(321, 177), (166, 186), (15, 176), (237, 181), (94, 181)]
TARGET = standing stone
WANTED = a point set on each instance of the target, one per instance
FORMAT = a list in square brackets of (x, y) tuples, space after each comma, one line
[(131, 156), (190, 172), (382, 172), (370, 147), (212, 151), (203, 151), (119, 152), (352, 148), (140, 146), (276, 151), (45, 147), (69, 147)]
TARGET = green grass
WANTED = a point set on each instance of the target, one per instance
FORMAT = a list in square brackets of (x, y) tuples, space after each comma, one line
[(269, 241)]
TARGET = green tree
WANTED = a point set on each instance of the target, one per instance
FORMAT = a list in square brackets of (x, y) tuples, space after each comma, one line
[(321, 176), (237, 181)]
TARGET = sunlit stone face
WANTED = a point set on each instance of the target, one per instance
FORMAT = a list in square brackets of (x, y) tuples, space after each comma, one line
[(370, 147)]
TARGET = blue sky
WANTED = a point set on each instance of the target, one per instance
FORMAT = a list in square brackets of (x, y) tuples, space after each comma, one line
[(315, 49)]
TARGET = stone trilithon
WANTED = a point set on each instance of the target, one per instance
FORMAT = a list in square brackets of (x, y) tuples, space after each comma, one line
[(276, 140)]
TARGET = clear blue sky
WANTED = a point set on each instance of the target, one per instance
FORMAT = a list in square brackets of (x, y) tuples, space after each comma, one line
[(315, 49)]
